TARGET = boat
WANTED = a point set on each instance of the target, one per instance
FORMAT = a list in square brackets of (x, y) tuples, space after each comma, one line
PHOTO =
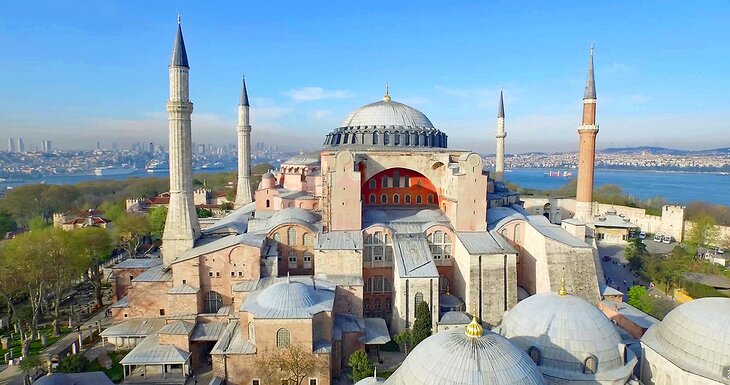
[(111, 170), (158, 166), (213, 166), (559, 174)]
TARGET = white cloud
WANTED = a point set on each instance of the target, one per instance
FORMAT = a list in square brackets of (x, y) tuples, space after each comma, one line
[(320, 115), (307, 94)]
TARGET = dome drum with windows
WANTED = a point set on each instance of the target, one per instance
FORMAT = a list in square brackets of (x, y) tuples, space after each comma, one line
[(386, 124)]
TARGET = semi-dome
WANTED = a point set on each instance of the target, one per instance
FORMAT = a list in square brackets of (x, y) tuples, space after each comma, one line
[(568, 337), (290, 299), (695, 337), (474, 357), (290, 214), (386, 123)]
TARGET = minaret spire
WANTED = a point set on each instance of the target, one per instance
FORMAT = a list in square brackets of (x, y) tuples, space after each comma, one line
[(587, 148), (182, 227), (387, 96), (244, 194), (501, 134)]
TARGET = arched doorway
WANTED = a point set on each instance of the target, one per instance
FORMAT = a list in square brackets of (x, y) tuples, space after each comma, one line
[(547, 209)]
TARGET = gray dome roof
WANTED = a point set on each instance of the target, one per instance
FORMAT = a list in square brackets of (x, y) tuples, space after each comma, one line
[(695, 337), (453, 358), (267, 175), (294, 213), (567, 330), (370, 381), (290, 299), (386, 123), (55, 379)]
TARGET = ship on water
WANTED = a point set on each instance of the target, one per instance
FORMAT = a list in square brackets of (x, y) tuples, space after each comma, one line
[(559, 174), (158, 166), (111, 170), (213, 166)]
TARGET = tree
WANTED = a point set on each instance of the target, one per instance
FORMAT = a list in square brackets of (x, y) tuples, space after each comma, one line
[(204, 213), (74, 363), (37, 224), (639, 298), (29, 364), (422, 325), (113, 210), (7, 224), (634, 251), (291, 364), (130, 230), (704, 232), (404, 340), (94, 246), (60, 251), (158, 217), (361, 365)]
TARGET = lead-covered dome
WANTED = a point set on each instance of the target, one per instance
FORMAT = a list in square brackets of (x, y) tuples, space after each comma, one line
[(569, 338), (474, 357), (290, 299), (695, 337), (388, 124)]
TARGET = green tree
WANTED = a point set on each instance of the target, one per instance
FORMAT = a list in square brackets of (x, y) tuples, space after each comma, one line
[(361, 365), (404, 340), (639, 298), (59, 250), (129, 232), (113, 210), (204, 213), (158, 217), (94, 246), (73, 363), (422, 325), (7, 224), (634, 252), (30, 364), (704, 232), (37, 224)]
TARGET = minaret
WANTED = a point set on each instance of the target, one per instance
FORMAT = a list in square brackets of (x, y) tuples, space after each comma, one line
[(501, 134), (243, 194), (181, 227), (587, 151)]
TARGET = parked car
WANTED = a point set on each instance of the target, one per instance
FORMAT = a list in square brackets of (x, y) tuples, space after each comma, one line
[(720, 250), (658, 238), (642, 235), (606, 258), (667, 239)]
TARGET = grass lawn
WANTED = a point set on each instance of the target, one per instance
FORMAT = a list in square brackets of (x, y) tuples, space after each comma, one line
[(35, 346), (115, 373)]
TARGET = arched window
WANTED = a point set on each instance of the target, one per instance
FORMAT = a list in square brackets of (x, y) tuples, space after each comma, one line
[(396, 179), (396, 198), (307, 239), (366, 304), (291, 236), (307, 260), (212, 302), (396, 138), (251, 331), (407, 139), (430, 198), (292, 259), (535, 355), (354, 140), (378, 305), (346, 138), (406, 181), (516, 235), (418, 298), (277, 237), (388, 305), (283, 338), (590, 365), (415, 140), (268, 204), (373, 183), (386, 137), (378, 283), (375, 137), (372, 198), (407, 199), (384, 181), (383, 199), (443, 284), (419, 200), (440, 244)]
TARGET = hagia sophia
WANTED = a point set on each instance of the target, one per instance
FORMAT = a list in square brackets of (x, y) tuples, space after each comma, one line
[(335, 250)]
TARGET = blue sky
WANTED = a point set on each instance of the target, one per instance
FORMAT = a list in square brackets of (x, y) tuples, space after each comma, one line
[(97, 70)]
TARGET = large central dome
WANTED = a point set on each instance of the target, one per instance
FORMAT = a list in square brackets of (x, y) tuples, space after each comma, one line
[(386, 123)]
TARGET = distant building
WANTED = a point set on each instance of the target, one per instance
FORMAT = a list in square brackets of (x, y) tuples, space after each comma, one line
[(11, 145), (21, 145), (47, 146), (86, 218)]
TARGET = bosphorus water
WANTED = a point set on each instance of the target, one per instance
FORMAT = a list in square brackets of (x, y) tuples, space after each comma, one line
[(677, 187)]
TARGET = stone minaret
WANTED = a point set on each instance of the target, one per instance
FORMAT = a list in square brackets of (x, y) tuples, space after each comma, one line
[(587, 150), (243, 194), (501, 134), (182, 227)]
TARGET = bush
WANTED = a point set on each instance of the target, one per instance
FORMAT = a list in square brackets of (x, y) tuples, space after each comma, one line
[(361, 365), (698, 290), (75, 363)]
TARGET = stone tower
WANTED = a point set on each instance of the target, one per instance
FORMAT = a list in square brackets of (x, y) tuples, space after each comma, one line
[(243, 194), (587, 149), (182, 227), (501, 134)]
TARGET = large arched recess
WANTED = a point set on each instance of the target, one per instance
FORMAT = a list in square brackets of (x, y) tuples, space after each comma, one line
[(418, 185)]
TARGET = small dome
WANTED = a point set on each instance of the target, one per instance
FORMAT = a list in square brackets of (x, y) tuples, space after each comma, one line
[(370, 381), (567, 331), (55, 379), (695, 337), (453, 358), (386, 123), (268, 175), (294, 213), (290, 299), (285, 295)]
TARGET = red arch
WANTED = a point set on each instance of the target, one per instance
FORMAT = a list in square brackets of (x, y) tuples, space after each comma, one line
[(418, 185)]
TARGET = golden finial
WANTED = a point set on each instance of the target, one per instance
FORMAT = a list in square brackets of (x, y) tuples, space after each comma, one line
[(562, 290), (474, 329), (386, 97), (592, 48), (178, 18)]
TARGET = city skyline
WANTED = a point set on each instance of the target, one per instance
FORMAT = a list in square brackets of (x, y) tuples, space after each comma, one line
[(304, 79)]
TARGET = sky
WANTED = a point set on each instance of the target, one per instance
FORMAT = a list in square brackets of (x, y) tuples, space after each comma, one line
[(81, 72)]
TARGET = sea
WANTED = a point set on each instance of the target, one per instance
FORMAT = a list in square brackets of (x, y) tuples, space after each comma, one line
[(676, 187)]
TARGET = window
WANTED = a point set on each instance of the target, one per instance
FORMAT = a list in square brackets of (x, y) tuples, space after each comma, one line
[(443, 284), (377, 253), (535, 355), (312, 381), (430, 198), (292, 259), (251, 331), (378, 304), (516, 235), (396, 138), (218, 274), (377, 246), (347, 136), (590, 365), (283, 338), (373, 184), (268, 204), (212, 302), (396, 198), (396, 179), (375, 137), (386, 138), (389, 253), (162, 311), (440, 244), (307, 239), (383, 199), (366, 304), (419, 200), (184, 281), (372, 198), (407, 198), (210, 273), (255, 382), (418, 298), (384, 181), (406, 181), (388, 305), (307, 261), (277, 237), (291, 236)]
